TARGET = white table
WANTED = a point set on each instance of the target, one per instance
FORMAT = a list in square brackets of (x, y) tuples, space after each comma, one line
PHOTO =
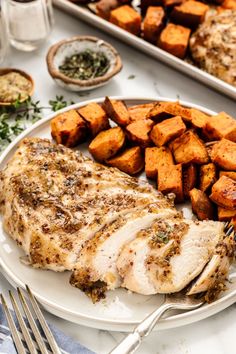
[(215, 335)]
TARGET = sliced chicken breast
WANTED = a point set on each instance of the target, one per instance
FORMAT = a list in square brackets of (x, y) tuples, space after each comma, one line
[(167, 256), (54, 200), (96, 263)]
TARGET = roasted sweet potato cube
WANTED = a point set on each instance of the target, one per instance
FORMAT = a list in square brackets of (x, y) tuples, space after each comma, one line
[(169, 4), (140, 111), (189, 148), (107, 143), (69, 128), (145, 4), (169, 180), (153, 23), (157, 158), (104, 8), (168, 129), (138, 132), (130, 161), (174, 40), (189, 178), (229, 174), (224, 193), (189, 14), (198, 118), (221, 126), (207, 176), (95, 116), (201, 204), (229, 4), (223, 154), (117, 111), (225, 214), (163, 110), (127, 18)]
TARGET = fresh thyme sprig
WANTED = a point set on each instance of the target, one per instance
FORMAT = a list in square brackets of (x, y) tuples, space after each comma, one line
[(16, 118)]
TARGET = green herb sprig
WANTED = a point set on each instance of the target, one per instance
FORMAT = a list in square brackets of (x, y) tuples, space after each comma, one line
[(16, 118)]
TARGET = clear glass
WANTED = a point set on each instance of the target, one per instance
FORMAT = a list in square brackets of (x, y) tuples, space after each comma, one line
[(3, 41), (28, 22)]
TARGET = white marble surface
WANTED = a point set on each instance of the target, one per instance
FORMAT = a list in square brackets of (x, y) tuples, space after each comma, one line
[(211, 336)]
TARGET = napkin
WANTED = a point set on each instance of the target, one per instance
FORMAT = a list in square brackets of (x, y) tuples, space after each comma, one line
[(66, 344)]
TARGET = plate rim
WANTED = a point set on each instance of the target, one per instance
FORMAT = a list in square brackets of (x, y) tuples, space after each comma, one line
[(228, 299)]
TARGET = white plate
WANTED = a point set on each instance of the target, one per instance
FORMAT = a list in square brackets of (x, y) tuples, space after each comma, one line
[(121, 310)]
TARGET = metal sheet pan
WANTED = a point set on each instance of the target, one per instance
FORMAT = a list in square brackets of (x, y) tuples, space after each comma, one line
[(85, 14)]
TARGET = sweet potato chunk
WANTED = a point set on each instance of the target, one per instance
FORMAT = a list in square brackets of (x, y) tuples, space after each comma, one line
[(117, 111), (95, 117), (189, 14), (163, 110), (68, 128), (107, 143), (138, 132), (229, 4), (224, 193), (207, 176), (140, 111), (189, 148), (157, 158), (169, 180), (168, 129), (174, 39), (130, 161), (144, 4), (225, 214), (198, 118), (229, 174), (189, 178), (221, 126), (169, 4), (127, 18), (153, 23), (201, 204), (223, 154), (104, 8)]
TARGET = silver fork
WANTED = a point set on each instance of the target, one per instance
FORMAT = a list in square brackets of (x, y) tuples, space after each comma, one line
[(16, 336), (178, 301)]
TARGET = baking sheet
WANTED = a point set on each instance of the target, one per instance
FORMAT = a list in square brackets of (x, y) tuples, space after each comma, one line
[(85, 14)]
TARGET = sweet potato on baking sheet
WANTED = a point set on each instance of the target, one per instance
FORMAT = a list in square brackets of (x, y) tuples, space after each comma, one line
[(156, 158), (189, 14), (208, 176), (174, 39), (107, 143), (225, 214), (140, 111), (104, 8), (95, 116), (188, 148), (163, 110), (127, 18), (138, 132), (189, 178), (166, 130), (117, 111), (224, 193), (169, 180), (153, 23), (201, 204), (69, 128), (130, 161), (223, 154), (230, 174), (220, 126)]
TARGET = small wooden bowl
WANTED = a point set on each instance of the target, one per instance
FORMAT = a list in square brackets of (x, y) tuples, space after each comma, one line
[(4, 71), (66, 48)]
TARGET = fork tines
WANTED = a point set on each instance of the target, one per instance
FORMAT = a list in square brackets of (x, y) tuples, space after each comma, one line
[(37, 342)]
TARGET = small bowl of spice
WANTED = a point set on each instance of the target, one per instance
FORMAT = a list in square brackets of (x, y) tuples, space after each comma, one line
[(83, 63), (14, 85)]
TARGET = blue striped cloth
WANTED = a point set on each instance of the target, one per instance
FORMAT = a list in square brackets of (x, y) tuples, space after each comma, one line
[(66, 344)]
